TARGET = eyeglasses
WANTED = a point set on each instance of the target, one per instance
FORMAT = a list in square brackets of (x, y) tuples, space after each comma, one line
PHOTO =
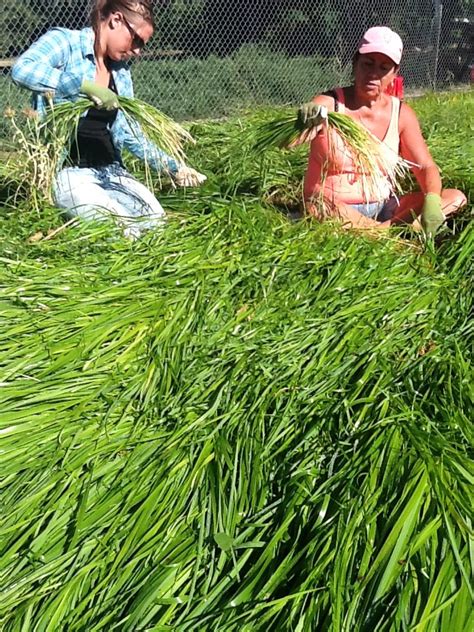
[(137, 41)]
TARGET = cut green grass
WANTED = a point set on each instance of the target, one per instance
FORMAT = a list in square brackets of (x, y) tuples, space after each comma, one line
[(235, 423), (156, 126), (38, 148), (375, 167)]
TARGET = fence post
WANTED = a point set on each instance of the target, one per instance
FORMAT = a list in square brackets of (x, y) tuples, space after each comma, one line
[(438, 17)]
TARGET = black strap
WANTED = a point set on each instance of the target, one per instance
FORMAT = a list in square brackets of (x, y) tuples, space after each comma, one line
[(333, 94)]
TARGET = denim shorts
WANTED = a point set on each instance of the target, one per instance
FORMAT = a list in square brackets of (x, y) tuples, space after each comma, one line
[(381, 211)]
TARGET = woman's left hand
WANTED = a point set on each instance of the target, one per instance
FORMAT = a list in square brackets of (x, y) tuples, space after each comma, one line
[(188, 177), (432, 216)]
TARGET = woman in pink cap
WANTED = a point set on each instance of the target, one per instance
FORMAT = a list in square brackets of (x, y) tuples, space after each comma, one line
[(333, 176)]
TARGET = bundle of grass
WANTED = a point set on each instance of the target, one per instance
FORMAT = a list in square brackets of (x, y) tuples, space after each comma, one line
[(375, 167), (38, 146), (157, 127), (30, 160)]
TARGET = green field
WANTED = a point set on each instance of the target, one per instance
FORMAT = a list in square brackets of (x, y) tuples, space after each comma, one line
[(239, 422)]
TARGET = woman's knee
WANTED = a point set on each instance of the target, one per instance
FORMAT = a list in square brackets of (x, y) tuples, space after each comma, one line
[(72, 186), (136, 197), (79, 194), (453, 200)]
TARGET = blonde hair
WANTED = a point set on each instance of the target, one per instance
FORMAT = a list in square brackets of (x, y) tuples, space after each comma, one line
[(101, 9)]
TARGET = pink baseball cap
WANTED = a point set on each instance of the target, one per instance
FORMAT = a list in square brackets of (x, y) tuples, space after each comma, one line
[(381, 39)]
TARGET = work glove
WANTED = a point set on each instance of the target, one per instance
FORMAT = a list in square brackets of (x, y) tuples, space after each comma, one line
[(311, 115), (188, 177), (432, 217), (103, 98)]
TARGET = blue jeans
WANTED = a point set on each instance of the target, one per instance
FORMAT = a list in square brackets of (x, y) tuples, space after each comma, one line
[(380, 211), (106, 192)]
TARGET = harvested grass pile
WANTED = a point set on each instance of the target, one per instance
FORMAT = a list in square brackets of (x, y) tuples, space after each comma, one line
[(235, 424)]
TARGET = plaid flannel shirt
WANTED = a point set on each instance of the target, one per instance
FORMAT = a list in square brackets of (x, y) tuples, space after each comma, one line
[(58, 63)]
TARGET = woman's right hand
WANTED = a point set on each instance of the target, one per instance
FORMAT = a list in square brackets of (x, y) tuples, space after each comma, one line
[(312, 115), (103, 98), (188, 177)]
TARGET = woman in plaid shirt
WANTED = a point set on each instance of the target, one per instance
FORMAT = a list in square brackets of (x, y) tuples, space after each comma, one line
[(94, 61)]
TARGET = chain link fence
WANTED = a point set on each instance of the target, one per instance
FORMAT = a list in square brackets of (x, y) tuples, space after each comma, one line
[(209, 58)]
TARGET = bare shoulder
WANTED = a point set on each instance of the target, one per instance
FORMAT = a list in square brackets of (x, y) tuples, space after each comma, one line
[(325, 99), (408, 118), (413, 146)]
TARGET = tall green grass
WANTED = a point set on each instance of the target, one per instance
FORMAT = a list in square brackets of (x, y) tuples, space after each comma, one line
[(236, 423)]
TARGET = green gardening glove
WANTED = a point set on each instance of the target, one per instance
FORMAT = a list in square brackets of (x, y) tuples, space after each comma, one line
[(103, 98), (432, 217), (311, 115)]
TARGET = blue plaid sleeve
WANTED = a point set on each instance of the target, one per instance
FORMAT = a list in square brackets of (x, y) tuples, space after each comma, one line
[(129, 135), (40, 68), (58, 63)]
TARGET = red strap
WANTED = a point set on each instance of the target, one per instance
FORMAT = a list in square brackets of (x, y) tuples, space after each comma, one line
[(395, 89)]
